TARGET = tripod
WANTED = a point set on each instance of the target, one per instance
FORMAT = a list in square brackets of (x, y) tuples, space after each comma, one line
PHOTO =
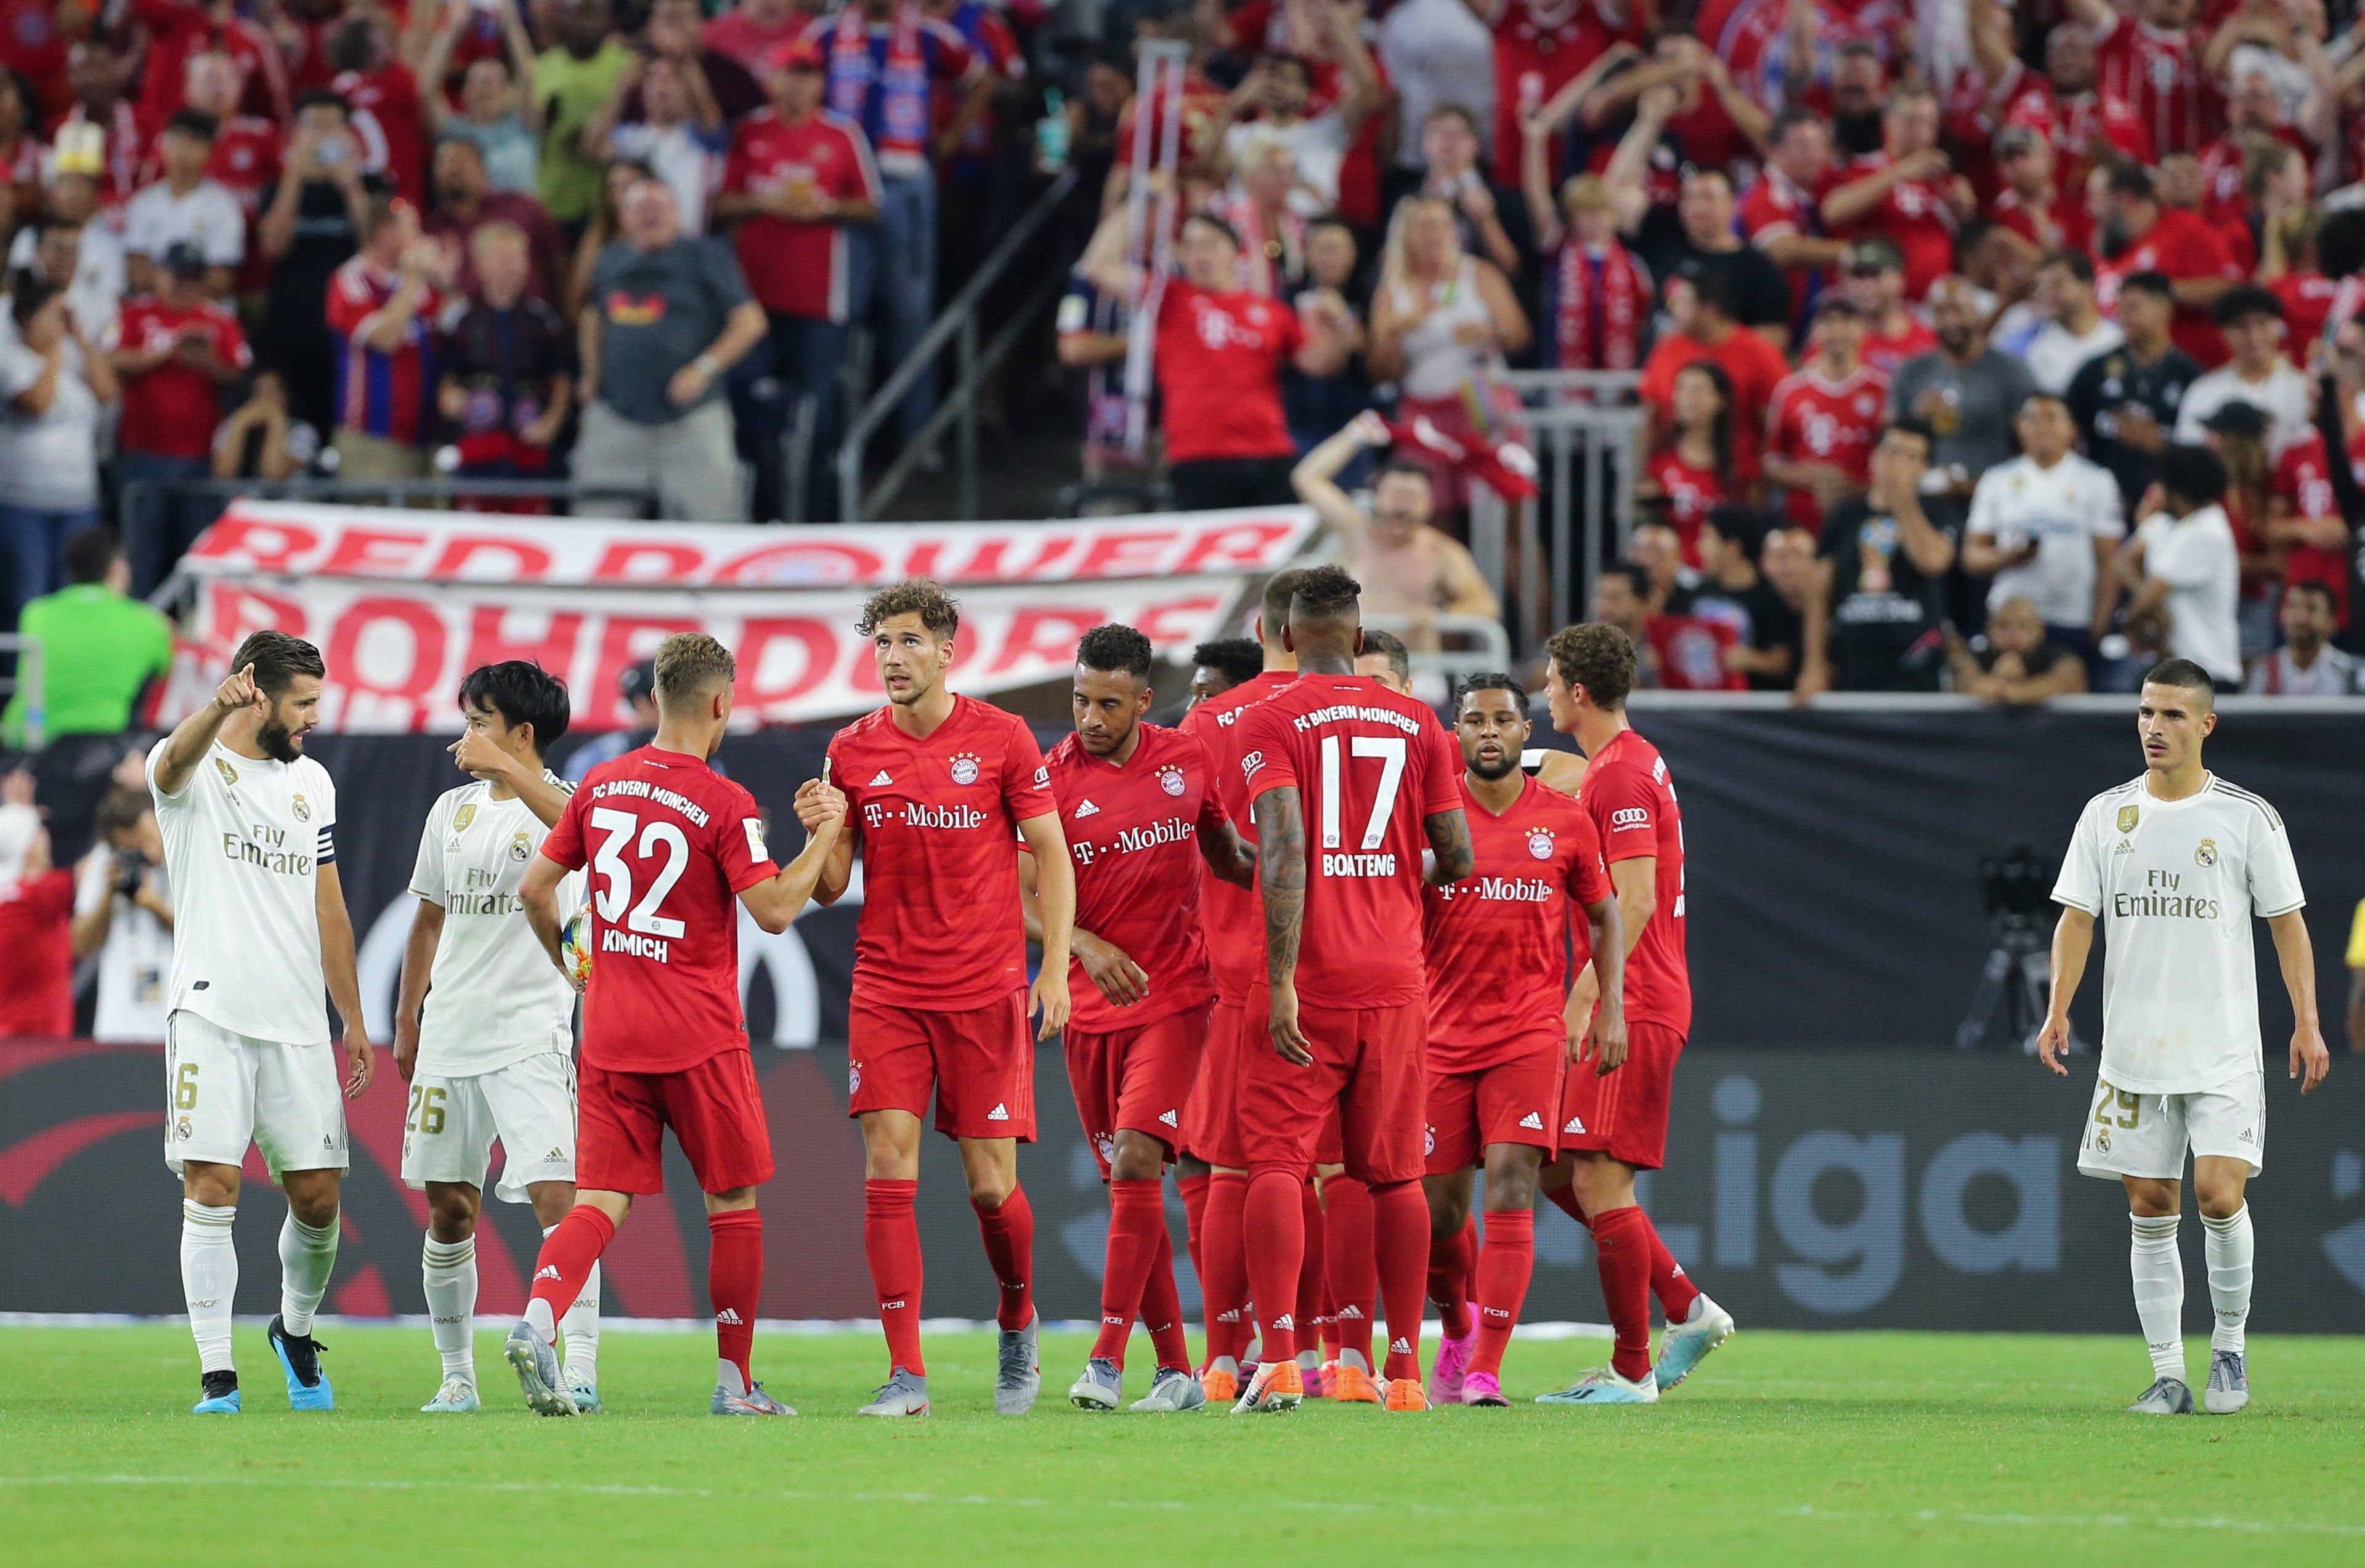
[(2012, 983)]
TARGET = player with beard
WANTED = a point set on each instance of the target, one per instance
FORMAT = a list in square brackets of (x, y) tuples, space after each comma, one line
[(261, 933), (941, 790), (1213, 1172), (1503, 1021), (1137, 804)]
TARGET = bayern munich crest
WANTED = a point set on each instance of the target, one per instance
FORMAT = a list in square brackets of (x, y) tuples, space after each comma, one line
[(1170, 780), (965, 768), (1540, 844), (854, 1078)]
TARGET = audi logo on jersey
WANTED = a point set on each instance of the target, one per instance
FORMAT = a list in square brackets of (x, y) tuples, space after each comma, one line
[(1250, 762), (1627, 818)]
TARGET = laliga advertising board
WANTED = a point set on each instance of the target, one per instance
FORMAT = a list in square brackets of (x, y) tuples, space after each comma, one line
[(403, 604)]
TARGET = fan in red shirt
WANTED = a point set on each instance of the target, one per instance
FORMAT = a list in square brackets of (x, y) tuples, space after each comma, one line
[(2304, 518), (1215, 1174), (1540, 48), (1137, 803), (2033, 203), (1701, 467), (671, 845), (798, 176), (2140, 234), (1783, 213), (2153, 61), (383, 96), (1824, 418), (248, 148), (1875, 283), (1907, 193), (1702, 307), (1347, 780), (2080, 122), (940, 791), (1503, 1023), (36, 919), (178, 350), (179, 28), (1614, 1122)]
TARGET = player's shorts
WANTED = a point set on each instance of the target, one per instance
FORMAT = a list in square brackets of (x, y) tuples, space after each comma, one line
[(1512, 1102), (2147, 1135), (448, 1132), (715, 1109), (980, 1063), (1211, 1120), (1623, 1116), (224, 1090), (1136, 1080), (1367, 1064)]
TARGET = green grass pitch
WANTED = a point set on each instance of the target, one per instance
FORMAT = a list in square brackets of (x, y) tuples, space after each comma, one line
[(1807, 1449)]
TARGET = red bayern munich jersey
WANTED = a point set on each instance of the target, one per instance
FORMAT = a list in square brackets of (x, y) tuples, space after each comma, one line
[(1133, 832), (1368, 765), (1234, 915), (1631, 800), (937, 821), (1816, 420), (1497, 939), (671, 843)]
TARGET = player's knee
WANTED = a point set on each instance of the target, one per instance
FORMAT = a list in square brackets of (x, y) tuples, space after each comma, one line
[(730, 1199), (2152, 1200), (551, 1201), (2218, 1197), (1511, 1185), (1137, 1158), (216, 1186), (452, 1216)]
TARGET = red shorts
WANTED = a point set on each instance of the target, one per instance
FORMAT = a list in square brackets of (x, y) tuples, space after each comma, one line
[(1366, 1071), (1624, 1115), (980, 1063), (1136, 1080), (1211, 1121), (1512, 1102), (715, 1109), (1329, 1144)]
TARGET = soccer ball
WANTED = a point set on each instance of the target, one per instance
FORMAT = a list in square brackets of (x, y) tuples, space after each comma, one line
[(574, 946)]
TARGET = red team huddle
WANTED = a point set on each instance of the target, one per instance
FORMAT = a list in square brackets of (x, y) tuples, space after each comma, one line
[(1320, 961)]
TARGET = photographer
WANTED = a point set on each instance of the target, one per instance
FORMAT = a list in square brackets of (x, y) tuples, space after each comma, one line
[(122, 913)]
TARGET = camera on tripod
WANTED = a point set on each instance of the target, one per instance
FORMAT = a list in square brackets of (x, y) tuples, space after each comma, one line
[(2016, 885)]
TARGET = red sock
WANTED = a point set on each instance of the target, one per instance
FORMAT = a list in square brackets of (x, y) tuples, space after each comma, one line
[(1504, 1265), (735, 1280), (1400, 1245), (1309, 1274), (1452, 1262), (1225, 1286), (1273, 1220), (1136, 1224), (1009, 1233), (1195, 1218), (1326, 1321), (1564, 1199), (1621, 1244), (891, 1237), (1668, 1281), (1354, 1283), (1162, 1308), (564, 1262)]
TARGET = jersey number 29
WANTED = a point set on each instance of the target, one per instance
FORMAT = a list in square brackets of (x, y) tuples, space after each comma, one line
[(616, 878)]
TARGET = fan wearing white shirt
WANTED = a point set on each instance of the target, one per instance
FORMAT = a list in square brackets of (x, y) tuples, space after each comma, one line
[(2174, 864), (261, 931), (2252, 321), (2183, 559), (2045, 526), (484, 1027), (184, 207), (2075, 330)]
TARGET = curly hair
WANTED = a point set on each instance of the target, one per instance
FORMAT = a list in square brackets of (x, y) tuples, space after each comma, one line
[(1326, 592), (1598, 657), (1115, 650), (924, 596)]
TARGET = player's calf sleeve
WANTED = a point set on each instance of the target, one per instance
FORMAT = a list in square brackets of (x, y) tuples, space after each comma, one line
[(1310, 1281), (1274, 1224), (1451, 1261), (1009, 1233), (209, 1279), (1668, 1281), (307, 1255), (447, 1270), (891, 1240), (1161, 1305), (581, 1328), (734, 1278), (1137, 1224), (1622, 1251), (2226, 1247), (1354, 1275), (1194, 1219), (564, 1262), (1505, 1264), (2158, 1272), (1400, 1245), (1564, 1199), (1224, 1288)]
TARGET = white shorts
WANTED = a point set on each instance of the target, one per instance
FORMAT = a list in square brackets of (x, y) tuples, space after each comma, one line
[(448, 1132), (225, 1090), (2147, 1135)]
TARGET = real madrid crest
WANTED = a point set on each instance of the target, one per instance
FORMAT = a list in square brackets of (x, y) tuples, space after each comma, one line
[(228, 774), (2128, 816), (1170, 780), (964, 768), (301, 807), (2204, 854), (463, 817), (520, 847), (1540, 844)]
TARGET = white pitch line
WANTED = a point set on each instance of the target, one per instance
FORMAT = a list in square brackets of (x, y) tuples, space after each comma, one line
[(2072, 1521)]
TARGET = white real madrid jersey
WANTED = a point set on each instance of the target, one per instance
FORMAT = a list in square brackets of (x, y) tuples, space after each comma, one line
[(493, 997), (2174, 884), (244, 841)]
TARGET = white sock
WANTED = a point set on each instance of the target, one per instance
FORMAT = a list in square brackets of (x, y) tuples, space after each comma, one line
[(538, 1318), (307, 1255), (727, 1379), (581, 1327), (2159, 1271), (449, 1269), (2227, 1246), (209, 1279)]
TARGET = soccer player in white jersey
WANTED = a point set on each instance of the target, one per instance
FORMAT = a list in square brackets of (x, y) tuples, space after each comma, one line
[(2174, 864), (486, 1050), (262, 931)]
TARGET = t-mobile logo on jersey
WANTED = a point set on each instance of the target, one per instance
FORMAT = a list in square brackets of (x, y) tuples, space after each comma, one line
[(919, 814), (1133, 840)]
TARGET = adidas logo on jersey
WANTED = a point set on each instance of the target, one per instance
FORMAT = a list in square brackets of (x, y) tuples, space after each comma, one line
[(555, 1154), (1284, 1324), (1399, 1347), (1088, 809), (547, 1272), (1532, 1120), (1575, 1125), (729, 1318), (1168, 1118), (882, 779), (1000, 1113)]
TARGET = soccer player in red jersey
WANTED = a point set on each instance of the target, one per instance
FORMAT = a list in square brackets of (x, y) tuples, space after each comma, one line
[(1214, 1172), (1346, 780), (941, 789), (1137, 804), (671, 843), (1824, 416), (1614, 1123), (1504, 1019)]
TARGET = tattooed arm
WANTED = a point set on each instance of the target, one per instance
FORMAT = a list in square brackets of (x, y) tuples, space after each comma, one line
[(1281, 868), (1449, 841)]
